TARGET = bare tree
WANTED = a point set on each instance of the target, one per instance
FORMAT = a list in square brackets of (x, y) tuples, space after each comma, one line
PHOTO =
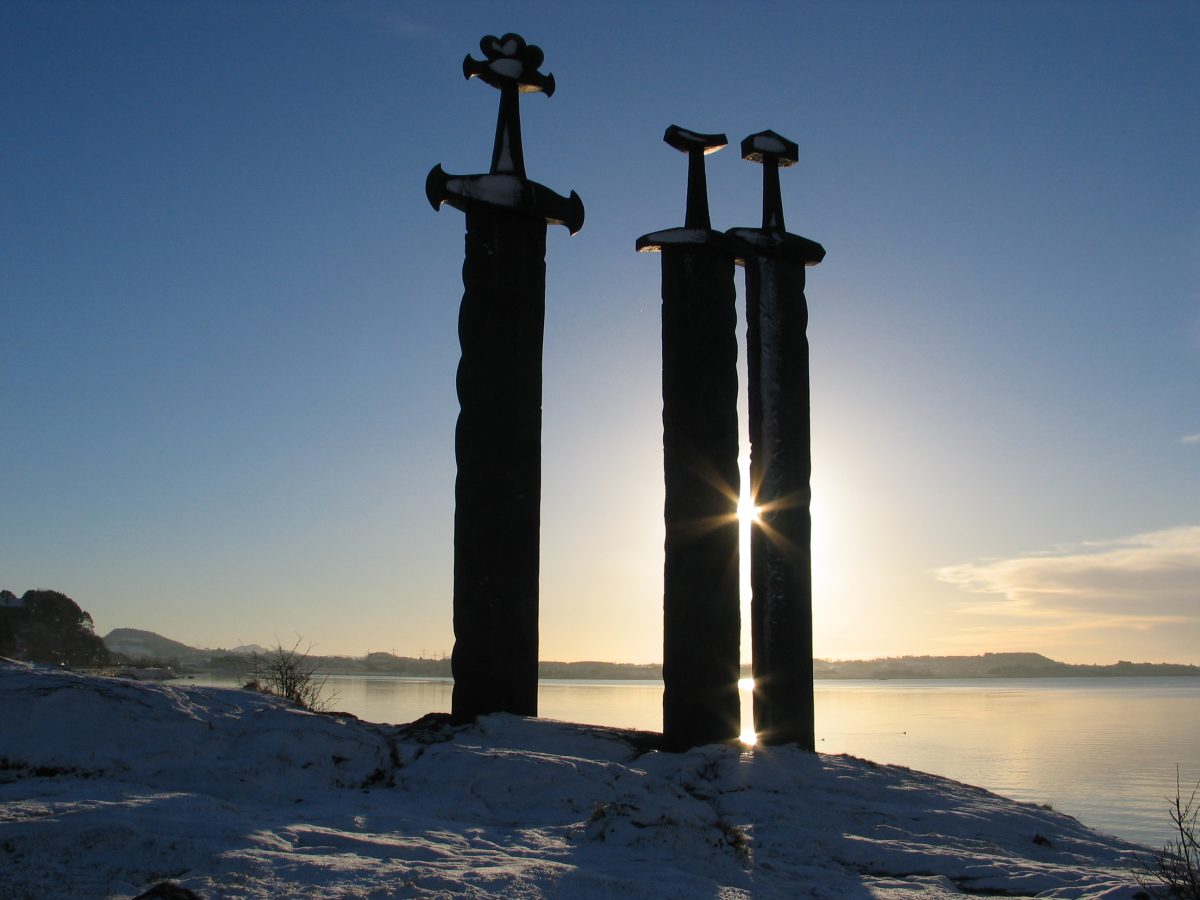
[(291, 674), (1174, 871)]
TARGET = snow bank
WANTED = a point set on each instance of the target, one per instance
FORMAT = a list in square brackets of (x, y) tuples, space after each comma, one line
[(109, 787)]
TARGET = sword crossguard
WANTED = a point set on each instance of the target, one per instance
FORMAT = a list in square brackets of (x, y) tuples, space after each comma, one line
[(696, 146), (507, 192)]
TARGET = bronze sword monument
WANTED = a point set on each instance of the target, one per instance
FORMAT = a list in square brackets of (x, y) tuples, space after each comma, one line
[(701, 615), (780, 456), (497, 443)]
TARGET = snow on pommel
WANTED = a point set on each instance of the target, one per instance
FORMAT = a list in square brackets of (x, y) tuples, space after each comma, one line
[(510, 60), (769, 145), (686, 141)]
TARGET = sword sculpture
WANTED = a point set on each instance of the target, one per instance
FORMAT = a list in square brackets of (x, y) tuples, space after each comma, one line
[(700, 445), (780, 457), (497, 442)]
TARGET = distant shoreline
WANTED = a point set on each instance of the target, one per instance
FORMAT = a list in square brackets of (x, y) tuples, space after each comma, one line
[(134, 647)]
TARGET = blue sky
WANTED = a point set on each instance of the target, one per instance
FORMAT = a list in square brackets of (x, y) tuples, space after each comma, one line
[(228, 312)]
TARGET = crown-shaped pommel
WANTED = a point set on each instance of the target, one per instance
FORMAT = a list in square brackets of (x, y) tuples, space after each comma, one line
[(510, 61), (769, 146)]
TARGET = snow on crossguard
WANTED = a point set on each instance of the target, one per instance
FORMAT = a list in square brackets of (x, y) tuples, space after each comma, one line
[(497, 515), (700, 446), (780, 456)]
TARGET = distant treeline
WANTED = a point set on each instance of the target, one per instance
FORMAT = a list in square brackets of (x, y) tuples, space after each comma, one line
[(147, 648), (49, 628), (987, 665), (388, 664)]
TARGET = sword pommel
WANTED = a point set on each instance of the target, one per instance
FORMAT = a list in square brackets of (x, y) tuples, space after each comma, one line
[(689, 141), (510, 62), (767, 146)]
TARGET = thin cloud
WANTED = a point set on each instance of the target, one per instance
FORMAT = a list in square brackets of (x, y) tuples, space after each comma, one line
[(1191, 438), (1140, 582), (385, 17)]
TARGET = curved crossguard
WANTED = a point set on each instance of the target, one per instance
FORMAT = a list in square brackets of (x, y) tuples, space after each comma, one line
[(774, 152), (696, 146), (511, 66)]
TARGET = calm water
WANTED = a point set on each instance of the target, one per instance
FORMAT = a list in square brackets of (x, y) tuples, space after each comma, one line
[(1102, 750)]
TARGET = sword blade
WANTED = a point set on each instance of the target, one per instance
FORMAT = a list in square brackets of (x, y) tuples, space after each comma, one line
[(497, 513), (701, 608), (780, 470)]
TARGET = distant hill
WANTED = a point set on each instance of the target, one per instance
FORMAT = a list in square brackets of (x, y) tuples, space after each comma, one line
[(135, 645), (987, 665), (247, 649)]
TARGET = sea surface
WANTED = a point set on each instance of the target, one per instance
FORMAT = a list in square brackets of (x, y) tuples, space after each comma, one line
[(1104, 750)]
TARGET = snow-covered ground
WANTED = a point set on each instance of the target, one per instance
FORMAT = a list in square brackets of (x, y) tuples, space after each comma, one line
[(109, 787)]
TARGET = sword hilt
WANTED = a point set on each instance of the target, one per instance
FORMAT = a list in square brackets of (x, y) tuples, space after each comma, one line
[(697, 227), (774, 152), (696, 146), (511, 67)]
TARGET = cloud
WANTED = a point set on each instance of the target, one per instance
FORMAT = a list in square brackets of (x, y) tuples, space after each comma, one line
[(1141, 581), (386, 18), (1191, 438)]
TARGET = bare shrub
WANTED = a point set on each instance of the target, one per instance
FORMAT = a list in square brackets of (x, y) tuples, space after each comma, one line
[(288, 672), (1174, 871)]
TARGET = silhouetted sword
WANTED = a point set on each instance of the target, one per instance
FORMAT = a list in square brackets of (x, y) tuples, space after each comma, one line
[(497, 514), (780, 457), (701, 638)]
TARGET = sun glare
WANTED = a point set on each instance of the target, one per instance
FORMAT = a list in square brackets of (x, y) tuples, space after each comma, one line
[(749, 738), (747, 511), (745, 684)]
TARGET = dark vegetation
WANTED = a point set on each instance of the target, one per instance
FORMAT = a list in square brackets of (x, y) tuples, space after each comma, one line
[(48, 627), (155, 649), (1174, 870), (291, 673), (987, 665)]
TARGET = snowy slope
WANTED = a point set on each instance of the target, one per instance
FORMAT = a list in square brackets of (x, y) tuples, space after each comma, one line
[(109, 787)]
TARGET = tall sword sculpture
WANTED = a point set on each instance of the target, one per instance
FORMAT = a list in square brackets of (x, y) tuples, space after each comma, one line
[(780, 457), (701, 640), (497, 443)]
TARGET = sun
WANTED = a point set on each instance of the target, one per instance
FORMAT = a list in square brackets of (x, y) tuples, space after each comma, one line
[(747, 511)]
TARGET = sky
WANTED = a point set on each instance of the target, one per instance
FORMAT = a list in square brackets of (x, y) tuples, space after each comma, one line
[(228, 313)]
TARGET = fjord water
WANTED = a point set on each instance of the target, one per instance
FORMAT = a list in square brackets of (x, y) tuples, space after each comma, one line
[(1104, 750)]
